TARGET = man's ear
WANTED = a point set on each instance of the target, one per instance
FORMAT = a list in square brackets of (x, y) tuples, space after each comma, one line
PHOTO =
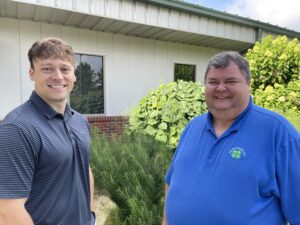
[(249, 82), (30, 72)]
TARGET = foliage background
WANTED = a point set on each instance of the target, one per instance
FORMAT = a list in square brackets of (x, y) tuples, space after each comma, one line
[(130, 169), (275, 69), (284, 99), (274, 60), (163, 113)]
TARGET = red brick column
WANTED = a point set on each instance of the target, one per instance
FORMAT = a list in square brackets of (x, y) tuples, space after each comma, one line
[(109, 125)]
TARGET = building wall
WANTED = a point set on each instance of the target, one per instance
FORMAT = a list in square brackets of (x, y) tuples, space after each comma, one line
[(132, 66), (150, 14), (109, 125)]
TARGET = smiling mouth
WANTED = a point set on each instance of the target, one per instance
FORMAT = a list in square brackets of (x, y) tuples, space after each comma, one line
[(221, 97), (57, 86)]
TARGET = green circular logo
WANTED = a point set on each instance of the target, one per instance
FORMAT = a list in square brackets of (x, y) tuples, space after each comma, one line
[(237, 153)]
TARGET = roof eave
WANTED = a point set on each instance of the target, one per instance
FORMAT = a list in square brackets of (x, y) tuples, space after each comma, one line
[(203, 11)]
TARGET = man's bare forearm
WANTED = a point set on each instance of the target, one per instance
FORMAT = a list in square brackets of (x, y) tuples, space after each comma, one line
[(164, 222), (92, 190)]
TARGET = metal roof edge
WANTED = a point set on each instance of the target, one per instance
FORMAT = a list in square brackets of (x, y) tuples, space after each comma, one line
[(200, 10)]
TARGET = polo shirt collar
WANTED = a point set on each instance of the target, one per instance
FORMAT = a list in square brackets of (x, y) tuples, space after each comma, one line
[(46, 110), (237, 122)]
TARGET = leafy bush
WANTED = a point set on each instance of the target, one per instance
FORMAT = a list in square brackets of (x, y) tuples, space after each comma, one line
[(131, 168), (274, 61), (296, 123), (280, 98), (164, 112)]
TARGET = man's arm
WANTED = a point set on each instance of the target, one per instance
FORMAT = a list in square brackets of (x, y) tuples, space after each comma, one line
[(13, 212), (92, 201), (164, 216)]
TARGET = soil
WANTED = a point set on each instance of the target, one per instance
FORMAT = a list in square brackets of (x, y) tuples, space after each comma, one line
[(103, 207)]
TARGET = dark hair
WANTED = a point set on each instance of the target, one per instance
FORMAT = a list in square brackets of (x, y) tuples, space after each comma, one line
[(51, 47), (223, 59)]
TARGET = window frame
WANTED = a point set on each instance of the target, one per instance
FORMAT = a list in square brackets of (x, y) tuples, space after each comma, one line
[(185, 63), (104, 80)]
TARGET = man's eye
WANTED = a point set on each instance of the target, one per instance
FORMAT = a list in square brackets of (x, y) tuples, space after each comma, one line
[(65, 70), (46, 69), (231, 82)]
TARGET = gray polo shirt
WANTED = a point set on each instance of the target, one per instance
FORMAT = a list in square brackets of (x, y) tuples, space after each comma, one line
[(44, 156)]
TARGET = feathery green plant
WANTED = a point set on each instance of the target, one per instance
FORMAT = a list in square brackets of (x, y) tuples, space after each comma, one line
[(131, 170)]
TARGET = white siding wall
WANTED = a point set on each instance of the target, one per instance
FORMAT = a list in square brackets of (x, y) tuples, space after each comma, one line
[(145, 13), (132, 66), (10, 80)]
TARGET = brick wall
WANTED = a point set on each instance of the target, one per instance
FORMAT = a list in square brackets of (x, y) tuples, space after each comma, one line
[(109, 125)]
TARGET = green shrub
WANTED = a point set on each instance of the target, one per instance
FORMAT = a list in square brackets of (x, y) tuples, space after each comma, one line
[(296, 122), (164, 112), (280, 98), (131, 169), (274, 61)]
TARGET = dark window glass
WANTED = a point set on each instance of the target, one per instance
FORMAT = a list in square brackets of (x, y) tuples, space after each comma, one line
[(184, 72), (87, 96)]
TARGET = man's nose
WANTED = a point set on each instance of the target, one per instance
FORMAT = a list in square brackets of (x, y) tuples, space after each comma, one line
[(57, 74), (221, 87)]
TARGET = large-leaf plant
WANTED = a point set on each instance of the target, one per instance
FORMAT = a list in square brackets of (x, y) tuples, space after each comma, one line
[(274, 60), (164, 112), (284, 99)]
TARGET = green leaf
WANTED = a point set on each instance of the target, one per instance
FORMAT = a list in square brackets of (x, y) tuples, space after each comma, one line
[(163, 126), (150, 130), (152, 121)]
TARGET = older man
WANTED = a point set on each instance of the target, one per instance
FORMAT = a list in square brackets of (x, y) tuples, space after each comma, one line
[(238, 164), (45, 177)]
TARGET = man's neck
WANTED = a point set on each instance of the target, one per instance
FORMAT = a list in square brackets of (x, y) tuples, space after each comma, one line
[(221, 125), (60, 108)]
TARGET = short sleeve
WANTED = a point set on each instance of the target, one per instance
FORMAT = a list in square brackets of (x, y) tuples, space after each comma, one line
[(169, 173), (170, 170), (17, 162), (288, 174)]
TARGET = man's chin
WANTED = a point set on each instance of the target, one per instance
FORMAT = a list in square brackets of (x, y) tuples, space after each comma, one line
[(222, 106)]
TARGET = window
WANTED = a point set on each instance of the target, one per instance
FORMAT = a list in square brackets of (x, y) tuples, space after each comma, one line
[(184, 72), (87, 96)]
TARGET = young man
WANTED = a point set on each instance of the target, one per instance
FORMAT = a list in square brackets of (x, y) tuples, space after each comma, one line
[(45, 177), (238, 164)]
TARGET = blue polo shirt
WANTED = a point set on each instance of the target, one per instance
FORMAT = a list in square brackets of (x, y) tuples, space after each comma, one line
[(250, 175), (44, 156)]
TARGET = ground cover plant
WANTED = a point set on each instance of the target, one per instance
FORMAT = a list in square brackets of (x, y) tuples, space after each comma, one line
[(130, 169)]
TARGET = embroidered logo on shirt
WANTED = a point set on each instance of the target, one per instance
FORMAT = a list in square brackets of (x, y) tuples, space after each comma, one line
[(237, 153)]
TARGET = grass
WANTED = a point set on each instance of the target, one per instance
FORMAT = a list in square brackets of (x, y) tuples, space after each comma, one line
[(130, 169)]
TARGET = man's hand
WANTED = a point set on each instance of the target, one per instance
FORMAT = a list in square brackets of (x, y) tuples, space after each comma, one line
[(13, 212)]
